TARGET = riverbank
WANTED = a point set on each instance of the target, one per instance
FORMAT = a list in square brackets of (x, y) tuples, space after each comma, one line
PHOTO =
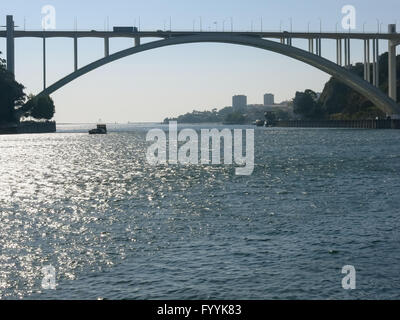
[(364, 124), (29, 127)]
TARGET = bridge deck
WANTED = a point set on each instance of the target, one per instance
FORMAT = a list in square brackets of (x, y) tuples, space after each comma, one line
[(167, 34)]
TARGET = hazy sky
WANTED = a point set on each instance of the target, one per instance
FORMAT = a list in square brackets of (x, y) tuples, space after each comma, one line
[(169, 81)]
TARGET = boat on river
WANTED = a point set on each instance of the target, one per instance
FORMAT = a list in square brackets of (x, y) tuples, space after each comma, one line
[(259, 123), (100, 129)]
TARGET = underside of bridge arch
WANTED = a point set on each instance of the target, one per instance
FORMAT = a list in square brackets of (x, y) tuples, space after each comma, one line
[(375, 95)]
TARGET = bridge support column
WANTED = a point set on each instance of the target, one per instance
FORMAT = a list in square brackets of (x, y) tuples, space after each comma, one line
[(44, 61), (375, 62), (347, 52), (392, 65), (137, 41), (75, 53), (339, 51), (365, 60), (311, 45), (318, 46), (10, 45), (367, 66), (106, 47)]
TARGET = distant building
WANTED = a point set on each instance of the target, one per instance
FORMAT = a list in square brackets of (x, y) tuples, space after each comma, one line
[(269, 99), (239, 102)]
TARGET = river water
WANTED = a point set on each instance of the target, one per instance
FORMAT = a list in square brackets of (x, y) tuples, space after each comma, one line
[(114, 227)]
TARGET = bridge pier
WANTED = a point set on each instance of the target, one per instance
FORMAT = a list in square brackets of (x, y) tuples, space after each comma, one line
[(375, 62), (75, 53), (286, 40), (44, 61), (347, 62), (10, 45), (318, 46), (137, 41), (311, 45), (392, 65), (106, 47), (339, 51), (367, 76)]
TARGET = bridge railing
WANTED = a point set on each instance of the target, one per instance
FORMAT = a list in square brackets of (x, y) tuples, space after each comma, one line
[(227, 30)]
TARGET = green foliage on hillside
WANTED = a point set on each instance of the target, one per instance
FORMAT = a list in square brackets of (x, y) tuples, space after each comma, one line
[(235, 118), (12, 100), (227, 115), (202, 116), (41, 108), (11, 95), (338, 101), (307, 105)]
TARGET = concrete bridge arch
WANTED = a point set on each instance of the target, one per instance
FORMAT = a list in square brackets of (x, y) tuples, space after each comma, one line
[(374, 94)]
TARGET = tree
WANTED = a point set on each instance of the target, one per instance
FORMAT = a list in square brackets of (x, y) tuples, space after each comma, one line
[(306, 104), (41, 107), (11, 94), (342, 102), (235, 118)]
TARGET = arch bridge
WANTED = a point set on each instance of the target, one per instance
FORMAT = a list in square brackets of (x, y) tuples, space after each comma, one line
[(367, 86)]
